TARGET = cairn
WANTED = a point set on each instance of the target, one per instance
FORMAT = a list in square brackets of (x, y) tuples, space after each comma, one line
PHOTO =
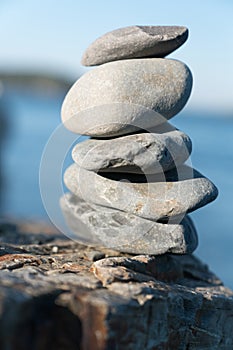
[(130, 187)]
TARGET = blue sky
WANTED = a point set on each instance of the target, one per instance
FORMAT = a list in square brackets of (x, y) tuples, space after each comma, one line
[(52, 34)]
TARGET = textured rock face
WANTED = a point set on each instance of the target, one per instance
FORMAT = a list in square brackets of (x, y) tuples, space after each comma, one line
[(52, 296), (118, 97), (179, 316), (126, 232), (135, 42), (147, 153), (156, 197)]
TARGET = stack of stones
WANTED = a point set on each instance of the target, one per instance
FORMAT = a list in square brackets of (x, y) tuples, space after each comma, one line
[(131, 190)]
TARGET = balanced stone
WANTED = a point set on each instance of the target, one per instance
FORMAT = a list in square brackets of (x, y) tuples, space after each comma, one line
[(119, 97), (135, 42), (130, 189), (114, 229), (155, 196), (146, 153)]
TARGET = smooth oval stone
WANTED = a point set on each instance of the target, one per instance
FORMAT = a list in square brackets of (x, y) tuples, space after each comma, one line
[(114, 229), (155, 196), (147, 153), (135, 42), (119, 97)]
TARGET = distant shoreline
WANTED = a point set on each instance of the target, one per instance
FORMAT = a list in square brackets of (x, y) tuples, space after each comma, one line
[(36, 79)]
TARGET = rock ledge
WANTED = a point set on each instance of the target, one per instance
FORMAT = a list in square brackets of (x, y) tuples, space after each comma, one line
[(58, 294)]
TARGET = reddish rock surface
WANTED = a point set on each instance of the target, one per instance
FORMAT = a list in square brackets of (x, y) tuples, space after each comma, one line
[(58, 294)]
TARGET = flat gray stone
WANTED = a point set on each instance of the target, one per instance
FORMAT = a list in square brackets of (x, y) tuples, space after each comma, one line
[(119, 97), (126, 232), (135, 42), (146, 153), (155, 196)]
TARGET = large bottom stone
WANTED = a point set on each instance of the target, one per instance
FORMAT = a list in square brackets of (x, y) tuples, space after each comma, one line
[(126, 232)]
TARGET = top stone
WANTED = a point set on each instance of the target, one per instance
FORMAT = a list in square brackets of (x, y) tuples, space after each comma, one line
[(135, 42)]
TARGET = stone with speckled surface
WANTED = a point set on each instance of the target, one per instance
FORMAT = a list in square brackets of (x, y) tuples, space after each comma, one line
[(122, 231), (146, 153), (155, 196), (119, 97), (135, 42)]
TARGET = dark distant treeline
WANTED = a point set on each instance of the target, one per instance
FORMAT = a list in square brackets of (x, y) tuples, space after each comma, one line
[(38, 80)]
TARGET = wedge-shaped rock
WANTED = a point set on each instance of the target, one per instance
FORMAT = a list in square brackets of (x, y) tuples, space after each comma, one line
[(155, 196), (126, 232), (147, 153), (135, 42), (119, 97)]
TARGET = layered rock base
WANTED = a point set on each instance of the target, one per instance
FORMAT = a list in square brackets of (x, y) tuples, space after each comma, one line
[(58, 294)]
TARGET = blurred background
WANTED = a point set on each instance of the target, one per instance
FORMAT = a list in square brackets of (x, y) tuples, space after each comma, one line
[(41, 47)]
